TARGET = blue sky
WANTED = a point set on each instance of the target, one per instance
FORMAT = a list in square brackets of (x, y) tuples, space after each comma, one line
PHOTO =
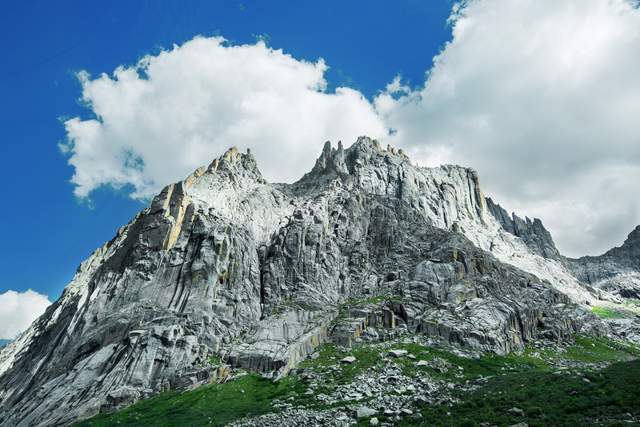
[(48, 232), (541, 97)]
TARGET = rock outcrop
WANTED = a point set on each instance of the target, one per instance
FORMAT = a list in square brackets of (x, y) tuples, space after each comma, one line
[(616, 271), (227, 266), (533, 233)]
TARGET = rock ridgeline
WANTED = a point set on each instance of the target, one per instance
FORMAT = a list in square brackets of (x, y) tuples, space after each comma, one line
[(533, 233), (616, 271), (225, 270)]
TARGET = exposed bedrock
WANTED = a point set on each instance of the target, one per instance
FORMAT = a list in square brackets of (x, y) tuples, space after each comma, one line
[(616, 271)]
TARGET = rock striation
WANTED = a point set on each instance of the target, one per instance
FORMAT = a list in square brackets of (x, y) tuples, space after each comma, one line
[(227, 267), (533, 233)]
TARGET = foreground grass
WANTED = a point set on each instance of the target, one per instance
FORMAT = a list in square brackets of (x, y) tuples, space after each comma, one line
[(215, 404), (607, 397), (330, 356), (530, 381)]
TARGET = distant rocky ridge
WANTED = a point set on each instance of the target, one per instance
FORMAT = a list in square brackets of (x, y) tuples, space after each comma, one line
[(226, 266), (615, 271)]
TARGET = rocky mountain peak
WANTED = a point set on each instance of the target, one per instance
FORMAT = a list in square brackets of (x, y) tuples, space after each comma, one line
[(533, 233), (365, 154), (235, 162), (365, 149), (331, 160), (633, 239), (630, 249), (616, 271)]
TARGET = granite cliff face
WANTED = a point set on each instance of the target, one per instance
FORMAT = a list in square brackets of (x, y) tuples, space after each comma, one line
[(533, 233), (225, 265)]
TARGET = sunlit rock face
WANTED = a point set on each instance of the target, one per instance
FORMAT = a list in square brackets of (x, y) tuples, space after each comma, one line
[(225, 265)]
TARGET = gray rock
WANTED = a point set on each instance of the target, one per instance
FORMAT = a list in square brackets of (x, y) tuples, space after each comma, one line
[(516, 411), (364, 412), (348, 360), (398, 353), (616, 271), (533, 233)]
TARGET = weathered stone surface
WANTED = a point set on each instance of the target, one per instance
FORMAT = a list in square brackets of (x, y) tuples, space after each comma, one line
[(278, 343), (616, 271), (533, 233), (225, 265), (365, 411)]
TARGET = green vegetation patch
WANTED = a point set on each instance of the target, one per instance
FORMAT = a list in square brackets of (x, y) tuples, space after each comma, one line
[(598, 350), (531, 381), (329, 362), (607, 397), (214, 404), (215, 360), (586, 349), (607, 313), (343, 309), (464, 368)]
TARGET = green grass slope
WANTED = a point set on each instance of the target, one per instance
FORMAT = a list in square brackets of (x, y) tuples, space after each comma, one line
[(566, 386)]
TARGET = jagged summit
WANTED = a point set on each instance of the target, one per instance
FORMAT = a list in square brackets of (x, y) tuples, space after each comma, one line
[(533, 233), (234, 161), (339, 162), (224, 265), (331, 159)]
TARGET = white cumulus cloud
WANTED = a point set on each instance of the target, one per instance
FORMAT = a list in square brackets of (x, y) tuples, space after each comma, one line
[(18, 310), (543, 98), (156, 121)]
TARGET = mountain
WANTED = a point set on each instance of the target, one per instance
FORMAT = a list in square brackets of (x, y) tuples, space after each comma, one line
[(615, 271), (227, 267)]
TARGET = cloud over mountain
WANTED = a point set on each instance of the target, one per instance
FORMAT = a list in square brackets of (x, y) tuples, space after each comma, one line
[(541, 96), (158, 120)]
